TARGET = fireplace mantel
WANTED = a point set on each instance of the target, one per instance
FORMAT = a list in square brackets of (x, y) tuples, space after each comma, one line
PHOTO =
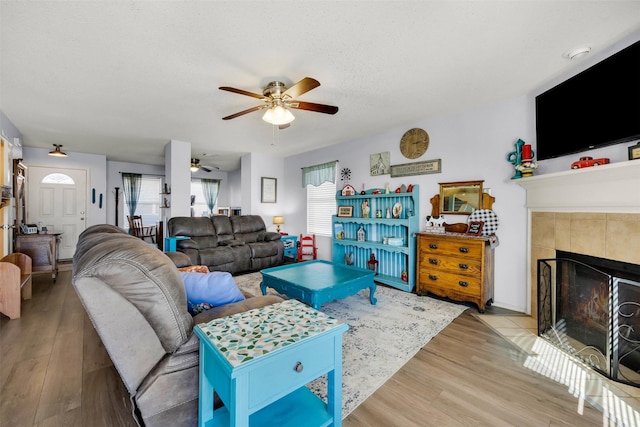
[(612, 188)]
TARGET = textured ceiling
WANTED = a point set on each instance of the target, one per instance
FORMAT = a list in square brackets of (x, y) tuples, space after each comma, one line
[(122, 78)]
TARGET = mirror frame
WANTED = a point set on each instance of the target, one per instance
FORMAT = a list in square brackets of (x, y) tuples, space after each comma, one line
[(452, 186)]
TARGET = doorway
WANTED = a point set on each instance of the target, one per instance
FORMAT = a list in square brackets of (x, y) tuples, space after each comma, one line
[(57, 199)]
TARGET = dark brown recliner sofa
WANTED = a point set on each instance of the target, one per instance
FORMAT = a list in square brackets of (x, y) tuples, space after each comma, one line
[(236, 244)]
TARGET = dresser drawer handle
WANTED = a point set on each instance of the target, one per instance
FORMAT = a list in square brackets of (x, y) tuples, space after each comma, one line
[(433, 277), (464, 250), (298, 367), (433, 261), (433, 246), (463, 266), (463, 283)]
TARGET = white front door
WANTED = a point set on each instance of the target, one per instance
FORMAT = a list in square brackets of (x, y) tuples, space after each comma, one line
[(57, 199)]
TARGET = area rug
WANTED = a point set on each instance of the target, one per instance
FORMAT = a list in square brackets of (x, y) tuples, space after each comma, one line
[(381, 338)]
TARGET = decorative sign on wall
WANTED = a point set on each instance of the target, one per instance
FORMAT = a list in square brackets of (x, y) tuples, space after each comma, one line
[(379, 163), (417, 168)]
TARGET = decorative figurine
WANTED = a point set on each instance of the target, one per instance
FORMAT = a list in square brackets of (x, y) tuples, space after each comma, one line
[(522, 160), (361, 234), (372, 264), (365, 209), (515, 158)]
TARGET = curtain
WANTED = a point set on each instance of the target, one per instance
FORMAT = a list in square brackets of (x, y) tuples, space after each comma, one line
[(210, 189), (131, 186), (316, 175)]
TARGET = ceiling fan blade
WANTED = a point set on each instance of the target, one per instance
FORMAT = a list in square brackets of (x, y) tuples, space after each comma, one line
[(209, 168), (303, 86), (242, 113), (242, 92), (310, 106)]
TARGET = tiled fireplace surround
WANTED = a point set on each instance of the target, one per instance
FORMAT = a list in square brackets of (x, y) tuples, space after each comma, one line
[(593, 211)]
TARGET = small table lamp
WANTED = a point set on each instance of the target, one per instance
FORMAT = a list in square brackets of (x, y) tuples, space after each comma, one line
[(278, 220)]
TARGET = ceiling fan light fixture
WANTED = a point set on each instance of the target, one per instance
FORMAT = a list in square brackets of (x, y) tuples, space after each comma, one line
[(195, 165), (578, 52), (278, 115), (57, 152)]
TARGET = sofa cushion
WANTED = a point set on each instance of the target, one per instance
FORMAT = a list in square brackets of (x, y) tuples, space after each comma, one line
[(208, 290), (248, 228), (222, 225), (212, 257), (236, 307), (263, 249), (199, 229), (143, 275)]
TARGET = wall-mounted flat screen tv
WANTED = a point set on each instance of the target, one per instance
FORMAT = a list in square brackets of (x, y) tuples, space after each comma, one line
[(598, 107)]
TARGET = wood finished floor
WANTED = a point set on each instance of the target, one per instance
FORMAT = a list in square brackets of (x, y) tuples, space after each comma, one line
[(54, 371)]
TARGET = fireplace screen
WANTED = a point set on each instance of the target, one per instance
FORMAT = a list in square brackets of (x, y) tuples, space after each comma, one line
[(592, 315)]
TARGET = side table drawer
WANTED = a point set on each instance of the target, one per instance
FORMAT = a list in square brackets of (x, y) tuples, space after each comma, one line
[(278, 376)]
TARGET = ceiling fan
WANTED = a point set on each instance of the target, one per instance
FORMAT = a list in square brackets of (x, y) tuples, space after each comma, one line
[(278, 99), (195, 166)]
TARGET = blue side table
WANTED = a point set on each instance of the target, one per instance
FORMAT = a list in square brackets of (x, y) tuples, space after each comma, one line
[(259, 361), (290, 246), (170, 242)]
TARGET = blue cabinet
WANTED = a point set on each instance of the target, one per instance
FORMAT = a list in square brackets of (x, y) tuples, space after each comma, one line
[(290, 246), (391, 240)]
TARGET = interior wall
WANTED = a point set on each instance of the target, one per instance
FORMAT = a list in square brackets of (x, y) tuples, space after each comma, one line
[(94, 164), (114, 179), (254, 168), (471, 146), (616, 153)]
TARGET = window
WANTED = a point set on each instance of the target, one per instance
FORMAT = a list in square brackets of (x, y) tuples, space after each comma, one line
[(320, 182), (199, 207), (149, 201), (58, 178), (321, 206)]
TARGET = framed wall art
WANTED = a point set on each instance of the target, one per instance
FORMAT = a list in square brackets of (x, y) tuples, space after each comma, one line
[(345, 211), (380, 164), (634, 152), (269, 190)]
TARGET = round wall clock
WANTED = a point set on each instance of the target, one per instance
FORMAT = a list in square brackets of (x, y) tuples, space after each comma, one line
[(414, 143)]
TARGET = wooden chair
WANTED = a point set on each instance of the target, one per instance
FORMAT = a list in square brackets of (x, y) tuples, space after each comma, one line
[(15, 281), (307, 249), (137, 229)]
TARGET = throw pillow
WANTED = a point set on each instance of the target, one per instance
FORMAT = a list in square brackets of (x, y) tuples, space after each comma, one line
[(194, 269), (205, 291)]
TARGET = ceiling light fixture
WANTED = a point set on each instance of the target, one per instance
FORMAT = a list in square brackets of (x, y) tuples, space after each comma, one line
[(194, 165), (278, 115), (578, 52), (57, 152)]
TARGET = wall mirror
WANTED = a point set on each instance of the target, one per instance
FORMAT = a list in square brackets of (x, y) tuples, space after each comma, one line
[(460, 198)]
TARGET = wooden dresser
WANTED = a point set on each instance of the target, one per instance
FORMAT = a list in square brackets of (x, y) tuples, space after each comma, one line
[(456, 266)]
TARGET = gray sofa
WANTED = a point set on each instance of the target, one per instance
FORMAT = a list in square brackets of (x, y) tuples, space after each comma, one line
[(236, 244), (135, 298)]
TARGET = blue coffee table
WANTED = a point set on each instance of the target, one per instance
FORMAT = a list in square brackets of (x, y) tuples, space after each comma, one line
[(317, 282)]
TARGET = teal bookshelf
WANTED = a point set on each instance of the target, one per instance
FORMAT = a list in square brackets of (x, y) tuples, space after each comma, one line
[(393, 259)]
